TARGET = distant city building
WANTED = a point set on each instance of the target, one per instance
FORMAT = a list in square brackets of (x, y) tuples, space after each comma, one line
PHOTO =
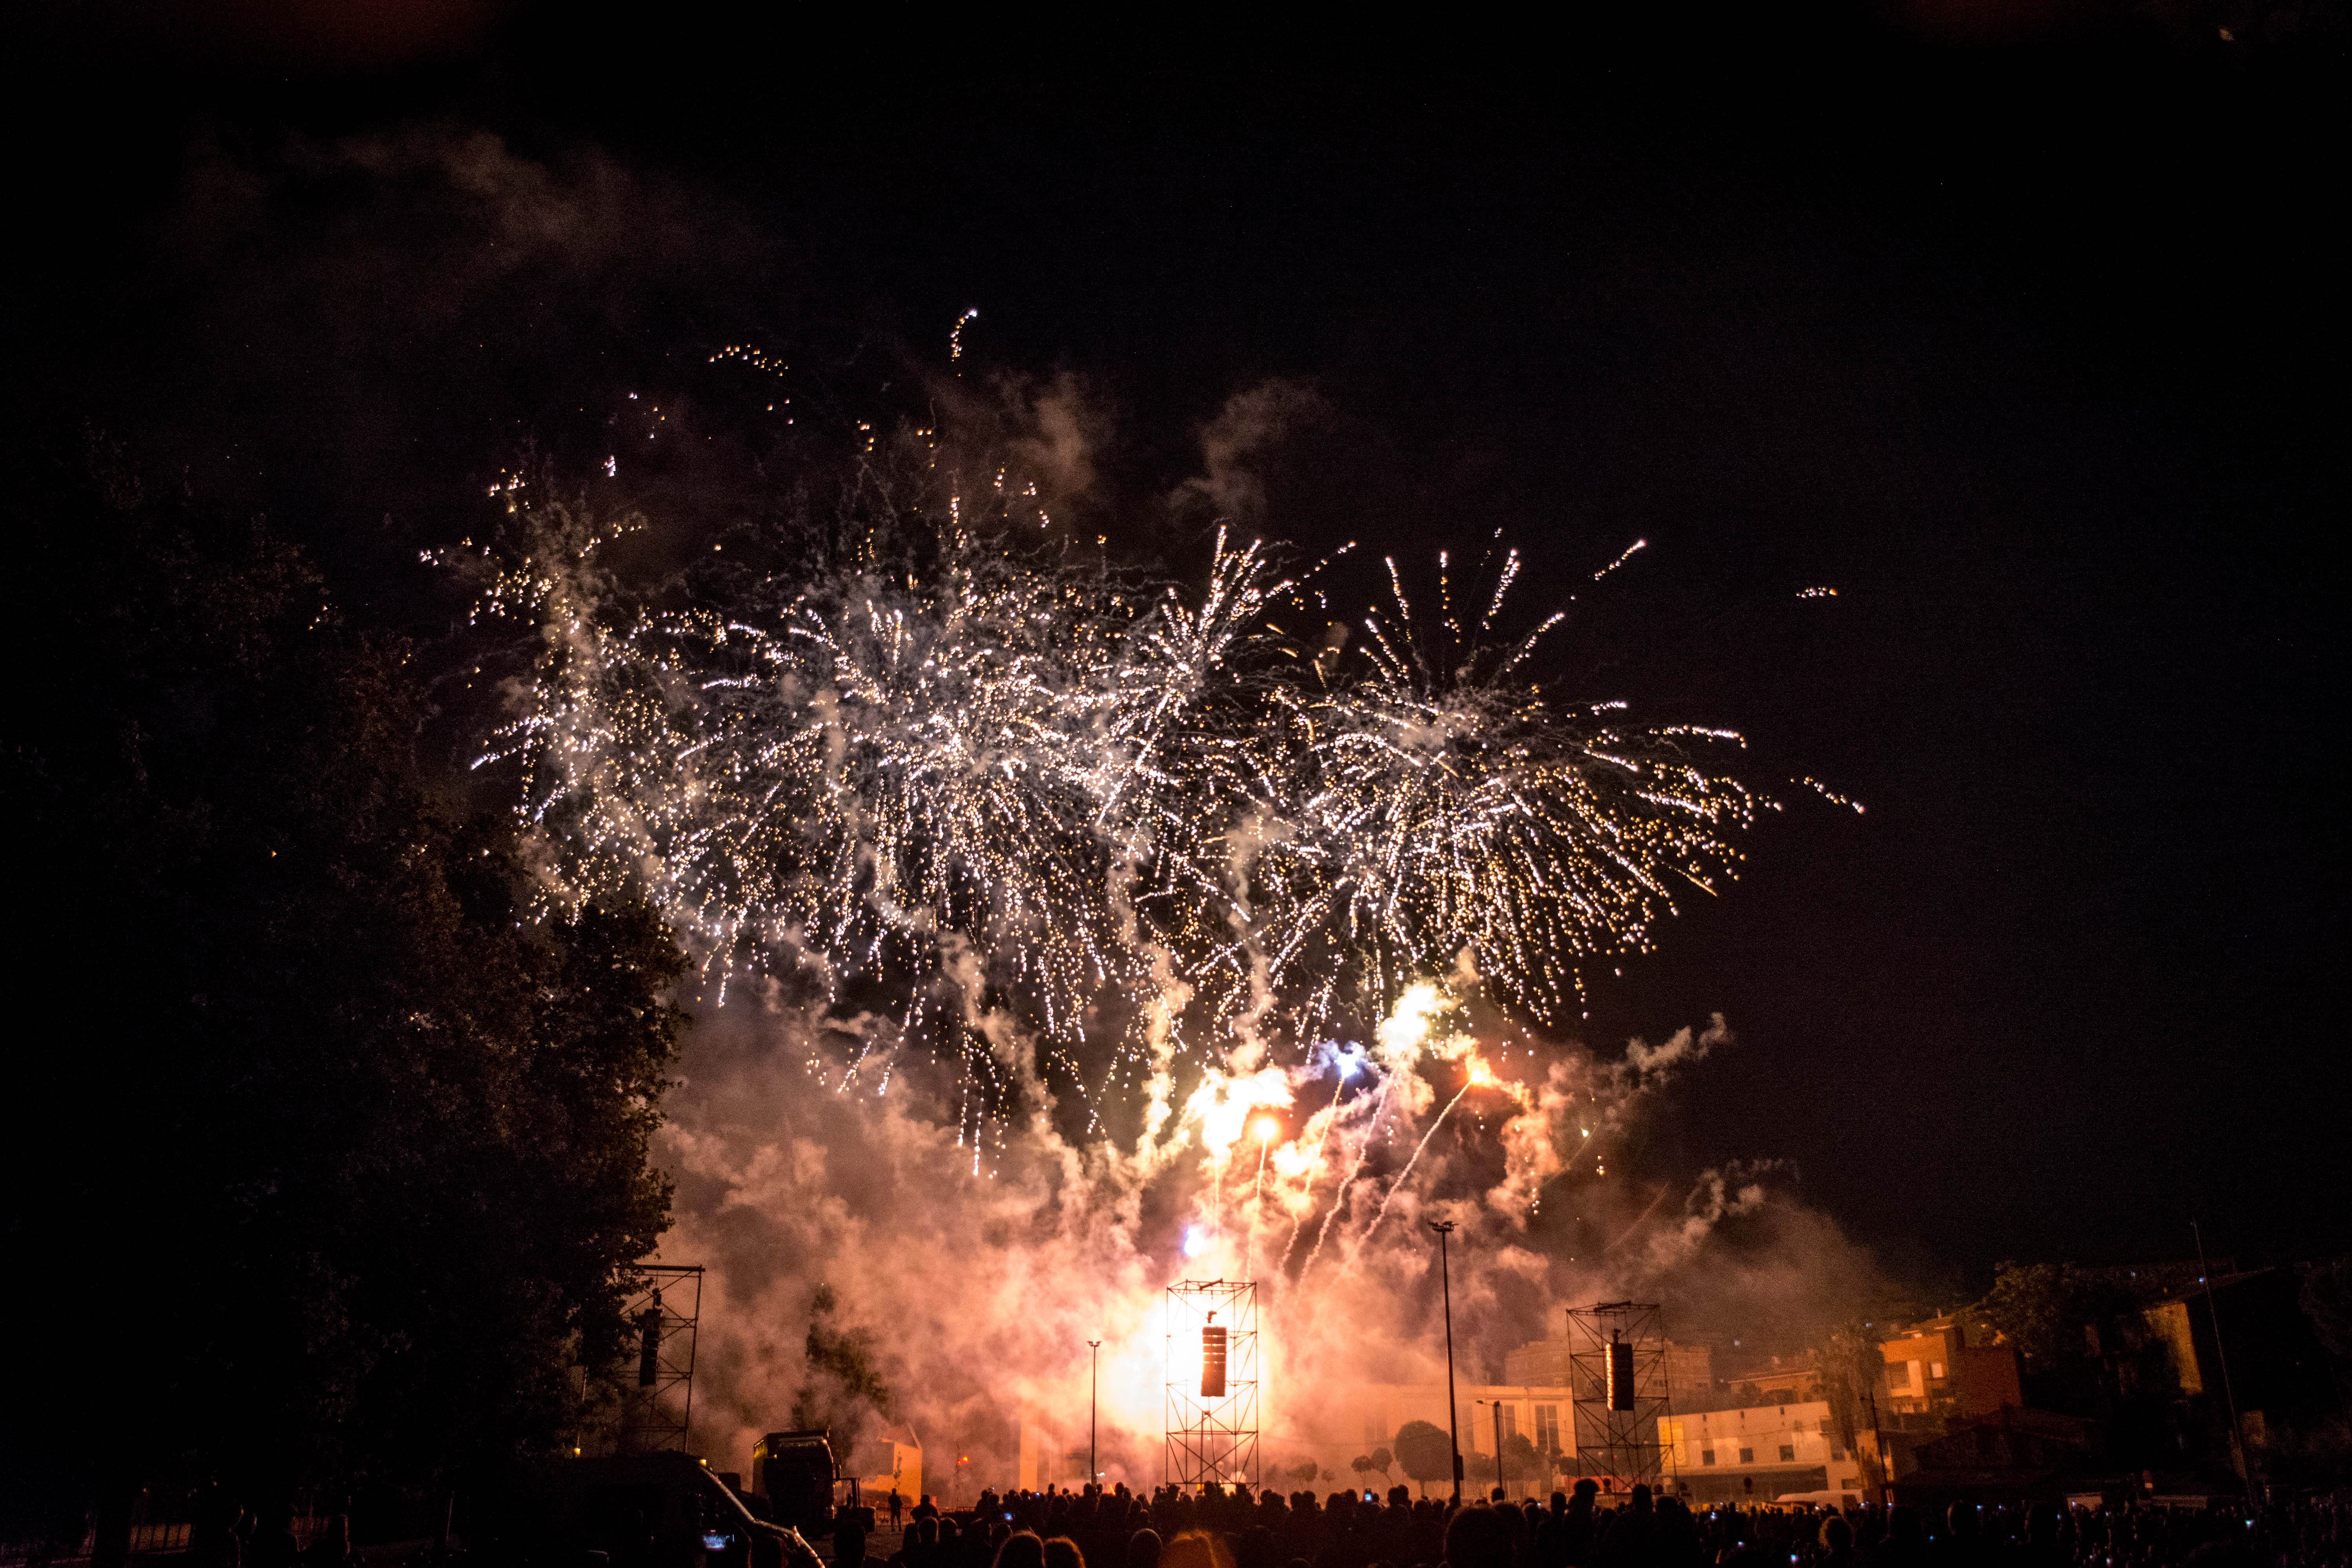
[(890, 1458), (1341, 1424), (1936, 1369), (1774, 1380), (2009, 1456), (2277, 1369), (1756, 1453)]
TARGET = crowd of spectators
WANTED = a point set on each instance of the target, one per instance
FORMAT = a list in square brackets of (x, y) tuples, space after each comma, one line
[(1220, 1529)]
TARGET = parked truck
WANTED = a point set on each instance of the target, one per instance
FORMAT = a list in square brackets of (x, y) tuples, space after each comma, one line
[(793, 1475)]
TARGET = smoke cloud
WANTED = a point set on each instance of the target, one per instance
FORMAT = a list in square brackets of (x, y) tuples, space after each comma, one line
[(1236, 445), (979, 1262)]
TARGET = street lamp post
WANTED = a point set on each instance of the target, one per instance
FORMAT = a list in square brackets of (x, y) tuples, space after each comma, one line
[(1444, 1227), (2222, 1356), (1498, 1446), (1094, 1383)]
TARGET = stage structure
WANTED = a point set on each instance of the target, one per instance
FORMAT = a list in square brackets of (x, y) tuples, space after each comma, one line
[(663, 1312), (1213, 1383), (1617, 1384)]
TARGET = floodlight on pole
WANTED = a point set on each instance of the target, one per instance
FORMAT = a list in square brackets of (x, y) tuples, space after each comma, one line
[(2222, 1356), (1094, 1387), (1444, 1227)]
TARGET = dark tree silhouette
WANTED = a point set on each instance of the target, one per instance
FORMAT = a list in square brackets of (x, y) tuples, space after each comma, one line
[(1426, 1452), (330, 1154), (842, 1385)]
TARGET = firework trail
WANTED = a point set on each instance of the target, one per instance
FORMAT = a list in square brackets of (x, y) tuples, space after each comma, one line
[(1406, 1174), (1315, 1166)]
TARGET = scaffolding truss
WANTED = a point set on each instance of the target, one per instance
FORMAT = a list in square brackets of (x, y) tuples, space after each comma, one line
[(1621, 1439), (1212, 1384), (664, 1311)]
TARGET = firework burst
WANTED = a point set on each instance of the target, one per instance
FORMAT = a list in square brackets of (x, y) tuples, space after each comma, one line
[(1068, 819), (1444, 806)]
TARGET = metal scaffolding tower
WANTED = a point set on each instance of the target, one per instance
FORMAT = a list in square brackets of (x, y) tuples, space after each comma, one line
[(1617, 1383), (663, 1312), (1213, 1383)]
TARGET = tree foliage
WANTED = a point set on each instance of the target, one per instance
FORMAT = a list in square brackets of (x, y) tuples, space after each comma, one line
[(1424, 1452), (843, 1382), (1852, 1366), (2050, 1311), (2326, 1298), (335, 1157)]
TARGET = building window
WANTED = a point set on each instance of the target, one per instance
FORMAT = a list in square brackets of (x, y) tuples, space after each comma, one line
[(1837, 1455), (1788, 1453), (1935, 1369), (1547, 1428), (1510, 1421), (1706, 1456), (1825, 1426), (1747, 1456)]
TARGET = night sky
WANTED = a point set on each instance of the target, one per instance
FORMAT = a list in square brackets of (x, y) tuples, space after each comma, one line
[(2028, 340)]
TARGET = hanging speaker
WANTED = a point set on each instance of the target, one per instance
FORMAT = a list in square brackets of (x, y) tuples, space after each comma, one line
[(1213, 1362), (1621, 1376)]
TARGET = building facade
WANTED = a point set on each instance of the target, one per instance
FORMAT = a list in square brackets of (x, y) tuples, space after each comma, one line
[(1932, 1368), (1756, 1453), (1534, 1420)]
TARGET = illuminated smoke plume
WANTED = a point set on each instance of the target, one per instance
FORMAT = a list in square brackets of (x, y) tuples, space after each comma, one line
[(1074, 927)]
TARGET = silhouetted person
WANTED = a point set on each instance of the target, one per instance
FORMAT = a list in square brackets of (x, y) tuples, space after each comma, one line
[(1548, 1544), (1906, 1545), (1580, 1532), (1632, 1535), (1061, 1551), (332, 1547), (1963, 1543), (211, 1538), (849, 1530), (2221, 1555), (1477, 1537), (2044, 1546), (1677, 1542), (1143, 1549), (273, 1540), (1021, 1549), (1195, 1549), (1510, 1527), (1837, 1544)]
